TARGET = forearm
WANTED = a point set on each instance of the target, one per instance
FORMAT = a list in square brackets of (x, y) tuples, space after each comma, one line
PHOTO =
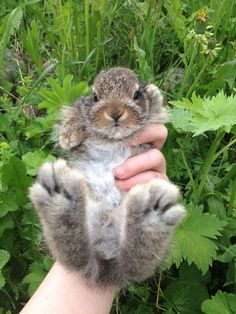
[(64, 292)]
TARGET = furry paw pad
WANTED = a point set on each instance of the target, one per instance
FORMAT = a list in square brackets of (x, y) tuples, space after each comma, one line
[(57, 185), (160, 196)]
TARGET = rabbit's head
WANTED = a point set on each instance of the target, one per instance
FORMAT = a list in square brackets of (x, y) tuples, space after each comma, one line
[(121, 105)]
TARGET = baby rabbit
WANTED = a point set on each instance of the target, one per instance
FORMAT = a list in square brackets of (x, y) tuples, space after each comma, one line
[(90, 226)]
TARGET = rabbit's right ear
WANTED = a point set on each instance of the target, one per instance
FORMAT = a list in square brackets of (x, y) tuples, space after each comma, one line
[(70, 129)]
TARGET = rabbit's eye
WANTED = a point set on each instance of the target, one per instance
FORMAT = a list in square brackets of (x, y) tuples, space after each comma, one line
[(137, 95), (95, 97)]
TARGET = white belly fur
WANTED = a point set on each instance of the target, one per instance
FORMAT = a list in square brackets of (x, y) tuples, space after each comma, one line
[(98, 167)]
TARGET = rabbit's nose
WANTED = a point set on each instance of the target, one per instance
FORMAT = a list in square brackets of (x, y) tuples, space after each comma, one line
[(114, 115)]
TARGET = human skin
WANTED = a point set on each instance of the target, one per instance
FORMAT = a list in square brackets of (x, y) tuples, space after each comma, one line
[(66, 292), (147, 166)]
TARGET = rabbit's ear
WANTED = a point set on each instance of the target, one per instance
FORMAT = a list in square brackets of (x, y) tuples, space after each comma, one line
[(71, 130)]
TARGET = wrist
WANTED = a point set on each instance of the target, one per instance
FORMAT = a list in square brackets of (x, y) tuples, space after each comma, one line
[(64, 291)]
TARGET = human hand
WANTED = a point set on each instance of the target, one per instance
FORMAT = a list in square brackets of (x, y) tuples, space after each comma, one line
[(146, 166)]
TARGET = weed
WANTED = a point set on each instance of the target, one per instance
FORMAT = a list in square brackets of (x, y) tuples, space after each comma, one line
[(49, 53)]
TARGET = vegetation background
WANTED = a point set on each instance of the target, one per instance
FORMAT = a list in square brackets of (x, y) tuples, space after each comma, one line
[(50, 50)]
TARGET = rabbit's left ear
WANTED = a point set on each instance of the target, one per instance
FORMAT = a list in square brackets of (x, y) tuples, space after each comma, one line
[(71, 131)]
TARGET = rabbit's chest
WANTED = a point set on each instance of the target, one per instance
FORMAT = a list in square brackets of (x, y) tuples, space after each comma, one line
[(98, 169)]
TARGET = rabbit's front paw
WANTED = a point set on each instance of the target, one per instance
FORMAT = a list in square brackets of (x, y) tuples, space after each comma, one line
[(57, 189), (69, 140), (154, 93), (160, 196)]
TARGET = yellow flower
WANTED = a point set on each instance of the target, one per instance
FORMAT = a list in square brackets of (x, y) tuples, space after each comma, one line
[(202, 16)]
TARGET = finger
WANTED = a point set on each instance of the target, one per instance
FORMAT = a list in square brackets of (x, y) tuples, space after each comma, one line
[(143, 177), (152, 159), (153, 133)]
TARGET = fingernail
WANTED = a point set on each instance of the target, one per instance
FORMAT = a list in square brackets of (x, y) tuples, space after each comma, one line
[(119, 171)]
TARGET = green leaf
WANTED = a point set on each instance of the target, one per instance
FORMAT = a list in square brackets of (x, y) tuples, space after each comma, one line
[(35, 129), (6, 222), (193, 240), (175, 9), (7, 203), (142, 291), (228, 255), (61, 95), (33, 160), (205, 114), (2, 280), (4, 122), (144, 68), (231, 274), (227, 72), (14, 177), (230, 231), (35, 277), (48, 121), (217, 207), (186, 295), (79, 89), (17, 20), (12, 22), (213, 86), (47, 263), (33, 280), (31, 41), (181, 120), (67, 82), (221, 303), (4, 258)]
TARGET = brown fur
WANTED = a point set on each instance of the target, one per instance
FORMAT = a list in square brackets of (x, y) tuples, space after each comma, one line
[(90, 226)]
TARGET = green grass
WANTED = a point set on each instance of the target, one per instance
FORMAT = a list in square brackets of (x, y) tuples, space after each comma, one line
[(50, 51)]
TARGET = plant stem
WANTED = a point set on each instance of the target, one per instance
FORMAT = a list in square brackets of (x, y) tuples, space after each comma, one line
[(86, 20), (188, 169), (224, 149), (158, 290), (189, 70), (230, 175), (207, 162), (198, 77), (232, 196), (117, 304)]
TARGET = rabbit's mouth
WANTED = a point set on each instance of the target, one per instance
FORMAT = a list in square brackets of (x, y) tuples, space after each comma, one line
[(118, 132)]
